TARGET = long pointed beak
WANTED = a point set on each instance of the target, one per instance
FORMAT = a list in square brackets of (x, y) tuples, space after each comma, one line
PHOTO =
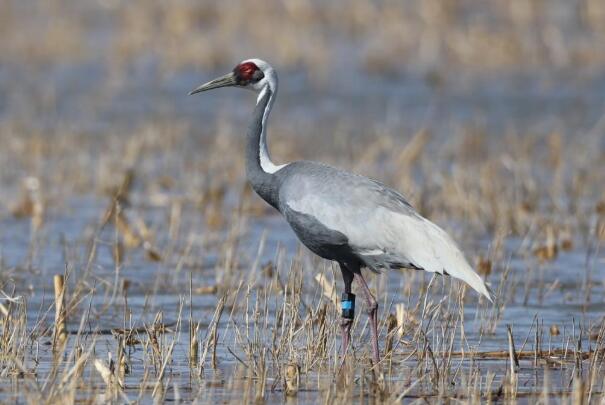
[(223, 81)]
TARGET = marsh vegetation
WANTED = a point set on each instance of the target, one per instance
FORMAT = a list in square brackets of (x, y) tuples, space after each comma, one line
[(137, 265)]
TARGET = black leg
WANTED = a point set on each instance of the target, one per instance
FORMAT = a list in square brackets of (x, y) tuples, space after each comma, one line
[(348, 309)]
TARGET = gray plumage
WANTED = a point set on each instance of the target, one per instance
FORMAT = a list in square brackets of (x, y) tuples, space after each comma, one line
[(310, 192), (349, 218), (341, 216)]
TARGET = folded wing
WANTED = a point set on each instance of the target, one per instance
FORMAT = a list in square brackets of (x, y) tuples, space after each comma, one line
[(382, 229)]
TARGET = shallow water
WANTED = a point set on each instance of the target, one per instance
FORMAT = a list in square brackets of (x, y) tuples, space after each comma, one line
[(159, 287), (88, 98)]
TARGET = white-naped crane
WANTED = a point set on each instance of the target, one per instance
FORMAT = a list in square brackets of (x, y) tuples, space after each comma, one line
[(353, 220)]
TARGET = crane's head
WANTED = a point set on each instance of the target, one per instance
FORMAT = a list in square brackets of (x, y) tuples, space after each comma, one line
[(252, 74)]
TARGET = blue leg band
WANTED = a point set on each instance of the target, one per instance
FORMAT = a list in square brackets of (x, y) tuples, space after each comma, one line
[(348, 305)]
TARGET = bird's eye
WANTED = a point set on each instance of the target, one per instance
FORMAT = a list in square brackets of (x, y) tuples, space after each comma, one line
[(257, 75)]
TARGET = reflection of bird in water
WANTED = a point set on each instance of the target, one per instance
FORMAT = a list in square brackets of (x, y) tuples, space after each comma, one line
[(340, 216)]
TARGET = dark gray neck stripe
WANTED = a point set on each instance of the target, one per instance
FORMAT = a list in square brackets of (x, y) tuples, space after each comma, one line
[(265, 184)]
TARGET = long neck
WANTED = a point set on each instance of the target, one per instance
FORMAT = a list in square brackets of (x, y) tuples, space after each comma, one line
[(259, 167)]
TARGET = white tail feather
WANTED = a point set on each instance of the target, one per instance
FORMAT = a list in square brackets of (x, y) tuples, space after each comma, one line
[(429, 247)]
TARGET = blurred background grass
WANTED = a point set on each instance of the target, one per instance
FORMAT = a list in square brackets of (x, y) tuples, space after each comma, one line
[(489, 115), (482, 99), (385, 37)]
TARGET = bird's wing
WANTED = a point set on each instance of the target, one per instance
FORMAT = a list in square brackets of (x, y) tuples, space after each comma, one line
[(381, 227), (428, 247)]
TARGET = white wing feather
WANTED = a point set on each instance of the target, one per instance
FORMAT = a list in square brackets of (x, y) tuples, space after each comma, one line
[(429, 247), (407, 236)]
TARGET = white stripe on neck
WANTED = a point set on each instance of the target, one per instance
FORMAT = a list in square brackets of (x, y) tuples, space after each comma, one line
[(265, 160)]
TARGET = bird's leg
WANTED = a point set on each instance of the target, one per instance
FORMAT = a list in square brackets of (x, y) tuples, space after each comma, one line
[(348, 310), (347, 321), (373, 314)]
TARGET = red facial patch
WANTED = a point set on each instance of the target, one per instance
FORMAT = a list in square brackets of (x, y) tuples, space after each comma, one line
[(246, 70)]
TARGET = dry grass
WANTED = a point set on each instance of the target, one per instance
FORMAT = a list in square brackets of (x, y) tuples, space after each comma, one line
[(388, 35), (273, 331), (176, 286)]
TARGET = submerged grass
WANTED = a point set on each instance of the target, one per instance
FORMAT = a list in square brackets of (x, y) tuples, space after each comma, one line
[(172, 281), (274, 331)]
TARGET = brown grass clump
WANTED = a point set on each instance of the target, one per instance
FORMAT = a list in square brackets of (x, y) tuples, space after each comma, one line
[(423, 33), (138, 201)]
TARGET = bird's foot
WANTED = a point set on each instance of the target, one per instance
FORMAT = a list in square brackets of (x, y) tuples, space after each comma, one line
[(377, 374), (346, 375), (345, 327), (347, 315), (378, 378)]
